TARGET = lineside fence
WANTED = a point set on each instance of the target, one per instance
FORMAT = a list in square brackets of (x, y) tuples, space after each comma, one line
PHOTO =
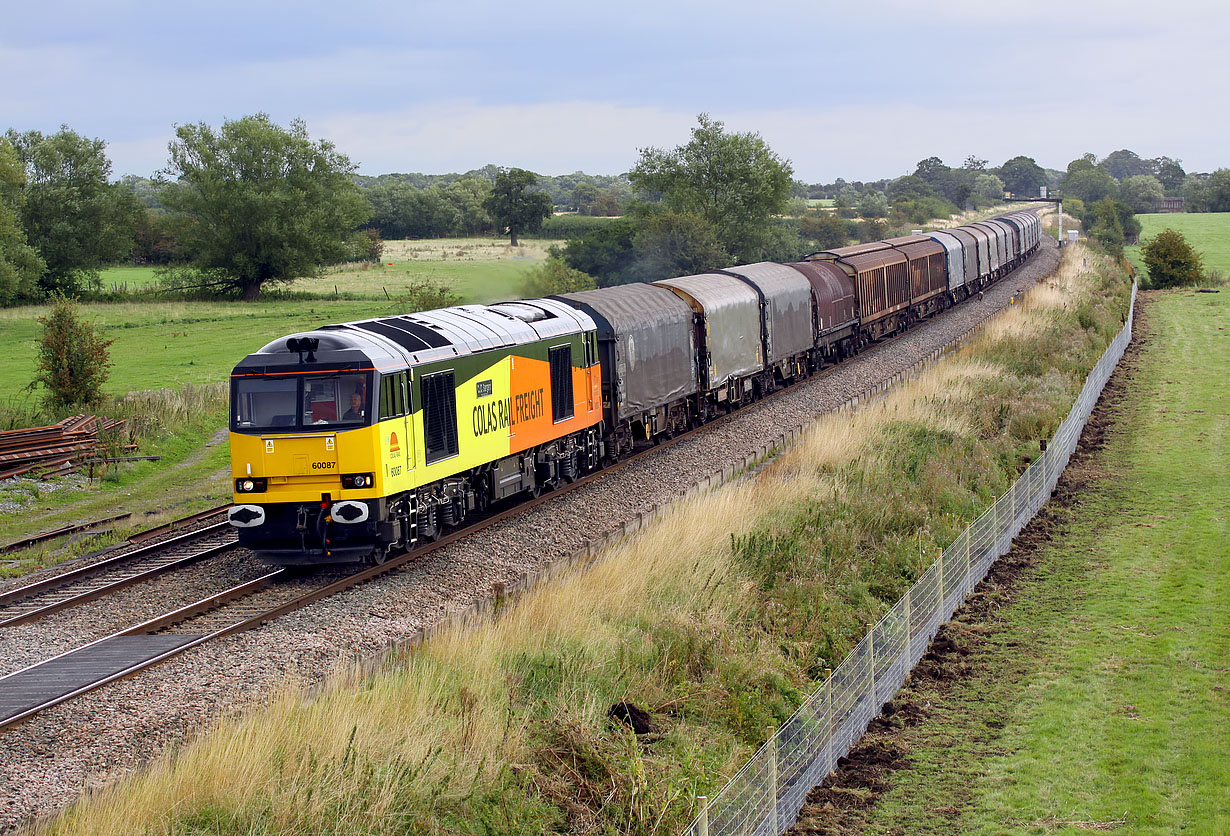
[(765, 795)]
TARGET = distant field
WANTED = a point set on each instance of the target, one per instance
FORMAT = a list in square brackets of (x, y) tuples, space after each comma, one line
[(1208, 232), (478, 269), (159, 344), (127, 277), (820, 202)]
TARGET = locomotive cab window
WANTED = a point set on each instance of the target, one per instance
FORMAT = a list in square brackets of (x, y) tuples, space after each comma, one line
[(393, 395), (261, 403), (335, 399), (439, 416), (561, 383), (293, 403)]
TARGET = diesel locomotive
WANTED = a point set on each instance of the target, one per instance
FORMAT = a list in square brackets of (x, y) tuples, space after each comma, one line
[(361, 438)]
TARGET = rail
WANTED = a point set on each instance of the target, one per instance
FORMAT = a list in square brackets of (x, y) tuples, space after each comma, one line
[(764, 797)]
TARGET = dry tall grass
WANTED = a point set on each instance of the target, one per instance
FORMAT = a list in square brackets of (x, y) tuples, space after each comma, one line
[(440, 721)]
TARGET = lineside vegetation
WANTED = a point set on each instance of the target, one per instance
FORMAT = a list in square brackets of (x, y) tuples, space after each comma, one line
[(717, 630)]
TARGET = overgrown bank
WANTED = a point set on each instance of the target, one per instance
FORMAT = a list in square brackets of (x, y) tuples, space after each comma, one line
[(506, 729)]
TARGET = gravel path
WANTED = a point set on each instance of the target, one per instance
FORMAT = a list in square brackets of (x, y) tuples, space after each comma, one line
[(105, 734)]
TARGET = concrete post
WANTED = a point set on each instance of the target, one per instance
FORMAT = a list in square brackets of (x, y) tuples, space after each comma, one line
[(702, 822)]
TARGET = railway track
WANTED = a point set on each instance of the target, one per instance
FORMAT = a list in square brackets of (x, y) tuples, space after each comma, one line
[(86, 583)]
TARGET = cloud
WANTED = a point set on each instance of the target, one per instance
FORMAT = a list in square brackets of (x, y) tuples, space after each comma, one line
[(842, 89)]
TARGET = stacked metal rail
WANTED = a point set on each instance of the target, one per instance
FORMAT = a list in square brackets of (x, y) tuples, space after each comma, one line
[(57, 448), (765, 795)]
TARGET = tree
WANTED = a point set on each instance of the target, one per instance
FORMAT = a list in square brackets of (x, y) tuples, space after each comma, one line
[(847, 201), (467, 196), (267, 204), (873, 204), (1112, 223), (72, 215), (554, 276), (1169, 172), (825, 229), (605, 253), (1143, 192), (1211, 194), (584, 194), (1088, 182), (988, 189), (1124, 163), (910, 187), (73, 358), (677, 244), (1022, 176), (513, 206), (20, 264), (1171, 261), (732, 180)]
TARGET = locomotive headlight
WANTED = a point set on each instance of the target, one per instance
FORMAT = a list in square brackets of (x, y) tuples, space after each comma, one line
[(247, 485), (358, 480), (251, 485)]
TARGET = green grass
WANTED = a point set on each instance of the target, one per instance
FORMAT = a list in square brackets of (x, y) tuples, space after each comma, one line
[(1208, 232), (160, 344), (820, 202), (127, 277), (169, 343), (1105, 692)]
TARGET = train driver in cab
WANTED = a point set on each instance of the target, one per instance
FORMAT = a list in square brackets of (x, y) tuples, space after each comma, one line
[(355, 413)]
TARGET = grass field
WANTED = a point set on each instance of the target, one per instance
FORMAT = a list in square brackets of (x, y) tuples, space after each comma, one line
[(160, 343), (1103, 699), (1208, 232)]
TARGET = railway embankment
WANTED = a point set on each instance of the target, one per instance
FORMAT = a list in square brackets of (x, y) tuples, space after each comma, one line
[(91, 741), (1085, 685)]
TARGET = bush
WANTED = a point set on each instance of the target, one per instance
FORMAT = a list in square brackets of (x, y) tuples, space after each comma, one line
[(1171, 261), (73, 358), (825, 229), (554, 276)]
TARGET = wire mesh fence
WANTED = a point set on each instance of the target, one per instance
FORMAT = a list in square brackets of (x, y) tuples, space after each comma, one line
[(765, 795)]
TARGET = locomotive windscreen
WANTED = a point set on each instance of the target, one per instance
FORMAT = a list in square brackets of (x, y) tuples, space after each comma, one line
[(300, 402)]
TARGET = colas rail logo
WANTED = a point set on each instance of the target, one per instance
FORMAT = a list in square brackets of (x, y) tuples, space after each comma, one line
[(394, 447)]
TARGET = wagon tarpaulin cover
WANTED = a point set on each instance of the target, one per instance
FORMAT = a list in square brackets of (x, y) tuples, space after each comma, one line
[(787, 307), (645, 339), (730, 309)]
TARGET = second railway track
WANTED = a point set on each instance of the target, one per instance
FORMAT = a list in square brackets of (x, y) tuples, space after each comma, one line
[(60, 591)]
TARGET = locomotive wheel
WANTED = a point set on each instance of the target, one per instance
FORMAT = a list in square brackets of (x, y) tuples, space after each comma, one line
[(378, 556)]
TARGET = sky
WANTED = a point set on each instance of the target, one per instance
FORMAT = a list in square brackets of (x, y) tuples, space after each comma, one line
[(854, 90)]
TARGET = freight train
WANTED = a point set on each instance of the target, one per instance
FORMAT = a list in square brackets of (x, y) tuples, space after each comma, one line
[(355, 440)]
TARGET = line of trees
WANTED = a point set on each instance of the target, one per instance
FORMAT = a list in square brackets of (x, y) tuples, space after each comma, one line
[(253, 203)]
